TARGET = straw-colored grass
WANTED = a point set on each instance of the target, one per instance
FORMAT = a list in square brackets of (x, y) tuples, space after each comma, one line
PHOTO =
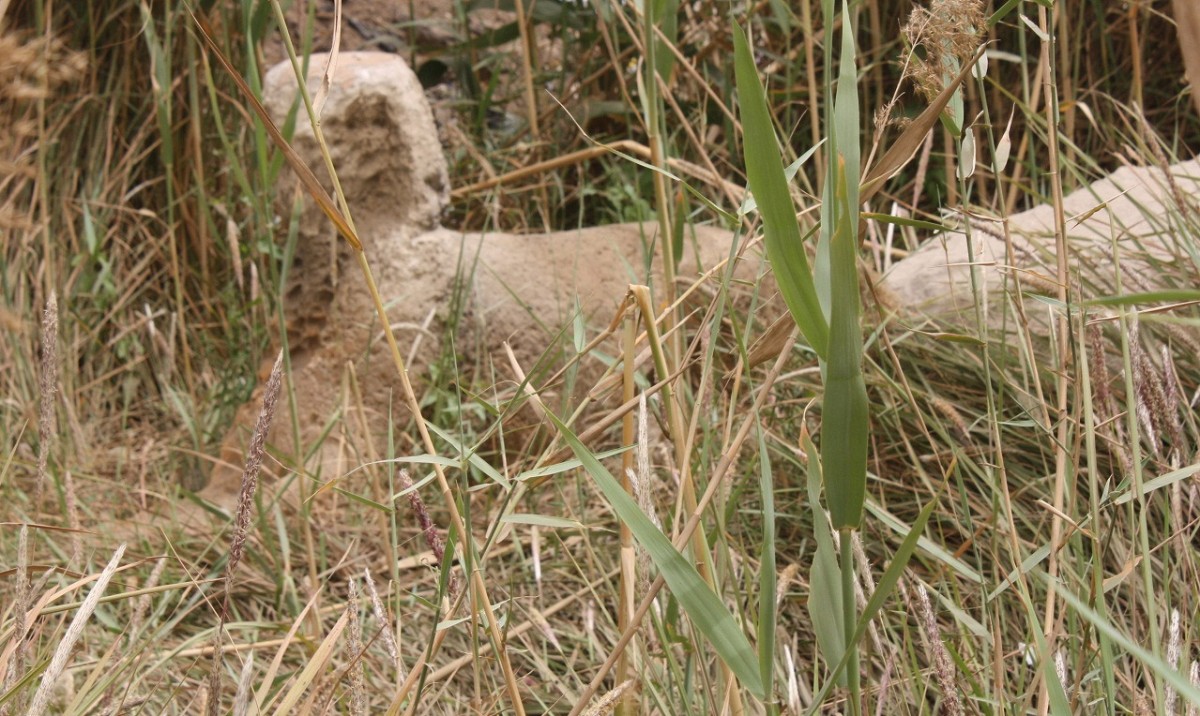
[(1054, 474)]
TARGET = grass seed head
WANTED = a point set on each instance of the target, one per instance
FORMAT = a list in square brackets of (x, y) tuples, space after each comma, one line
[(358, 696), (385, 625), (48, 387), (943, 668), (948, 31), (254, 458)]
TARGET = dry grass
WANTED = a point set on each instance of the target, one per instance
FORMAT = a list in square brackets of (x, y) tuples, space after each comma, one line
[(135, 202)]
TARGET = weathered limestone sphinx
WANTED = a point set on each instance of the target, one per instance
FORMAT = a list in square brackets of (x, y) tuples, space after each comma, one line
[(519, 289), (523, 288)]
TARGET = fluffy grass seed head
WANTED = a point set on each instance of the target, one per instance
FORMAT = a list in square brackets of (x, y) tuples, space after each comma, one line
[(948, 32)]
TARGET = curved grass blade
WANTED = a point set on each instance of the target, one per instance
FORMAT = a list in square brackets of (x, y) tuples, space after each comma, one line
[(883, 589), (781, 231), (702, 606)]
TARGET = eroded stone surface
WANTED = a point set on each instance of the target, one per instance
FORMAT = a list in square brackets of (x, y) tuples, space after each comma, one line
[(1138, 207), (519, 289)]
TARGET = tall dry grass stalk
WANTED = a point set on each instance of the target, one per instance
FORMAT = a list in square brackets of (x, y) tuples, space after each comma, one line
[(41, 698)]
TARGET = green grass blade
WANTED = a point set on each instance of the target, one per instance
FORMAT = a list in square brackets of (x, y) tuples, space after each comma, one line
[(766, 568), (781, 231), (1134, 299), (472, 457), (883, 589), (702, 606), (824, 580), (1176, 679), (844, 419)]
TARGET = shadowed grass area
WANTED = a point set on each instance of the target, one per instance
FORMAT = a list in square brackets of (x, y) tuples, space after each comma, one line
[(511, 559)]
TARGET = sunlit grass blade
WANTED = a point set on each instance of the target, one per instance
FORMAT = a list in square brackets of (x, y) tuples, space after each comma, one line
[(702, 606), (781, 231)]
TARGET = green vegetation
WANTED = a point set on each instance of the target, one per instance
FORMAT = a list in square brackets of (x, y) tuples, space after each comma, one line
[(849, 510)]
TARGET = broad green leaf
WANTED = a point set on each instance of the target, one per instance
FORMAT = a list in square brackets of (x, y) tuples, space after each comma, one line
[(781, 231), (666, 17), (843, 147), (702, 606), (750, 204), (844, 412)]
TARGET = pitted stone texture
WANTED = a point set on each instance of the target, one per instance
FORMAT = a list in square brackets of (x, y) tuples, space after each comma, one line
[(384, 145), (382, 136), (489, 289)]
